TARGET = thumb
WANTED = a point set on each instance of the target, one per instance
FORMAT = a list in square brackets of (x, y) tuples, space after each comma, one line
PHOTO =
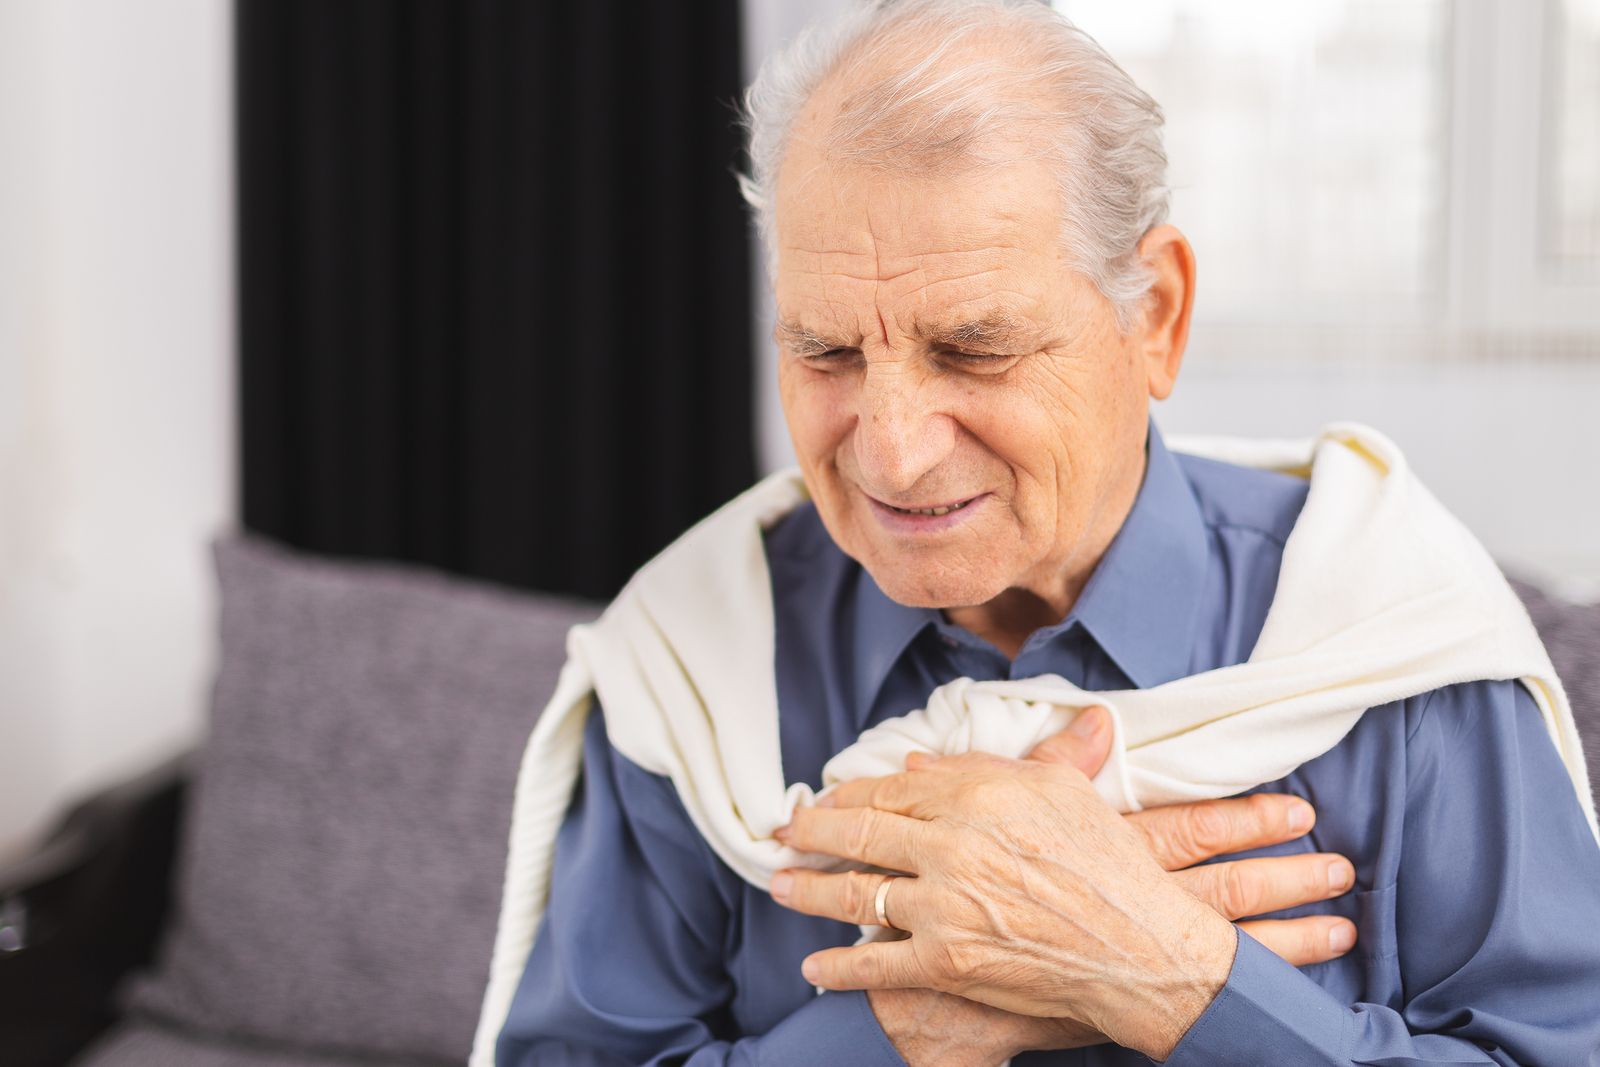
[(1085, 744)]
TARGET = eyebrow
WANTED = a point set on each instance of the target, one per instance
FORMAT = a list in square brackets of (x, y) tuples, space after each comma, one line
[(797, 337), (992, 330)]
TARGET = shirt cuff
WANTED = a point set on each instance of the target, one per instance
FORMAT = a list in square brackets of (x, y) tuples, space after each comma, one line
[(834, 1027), (1267, 1012)]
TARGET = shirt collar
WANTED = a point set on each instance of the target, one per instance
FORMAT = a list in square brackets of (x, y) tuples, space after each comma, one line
[(1139, 605), (1141, 602)]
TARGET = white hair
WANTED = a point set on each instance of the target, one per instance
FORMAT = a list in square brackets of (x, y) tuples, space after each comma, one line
[(936, 83)]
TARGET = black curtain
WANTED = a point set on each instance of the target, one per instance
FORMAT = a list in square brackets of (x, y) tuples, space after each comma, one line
[(493, 280)]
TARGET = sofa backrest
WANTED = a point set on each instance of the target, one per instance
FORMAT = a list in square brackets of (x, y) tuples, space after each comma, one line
[(340, 871), (1571, 634)]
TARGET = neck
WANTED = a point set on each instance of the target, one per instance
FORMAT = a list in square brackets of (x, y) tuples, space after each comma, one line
[(1007, 621)]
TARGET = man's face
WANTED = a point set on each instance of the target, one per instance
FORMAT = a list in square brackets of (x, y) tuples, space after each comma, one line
[(936, 351)]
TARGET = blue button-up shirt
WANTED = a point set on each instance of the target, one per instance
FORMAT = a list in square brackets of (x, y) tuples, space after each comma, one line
[(1477, 895)]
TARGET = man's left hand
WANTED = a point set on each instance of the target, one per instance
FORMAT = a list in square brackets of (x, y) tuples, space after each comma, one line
[(1027, 892)]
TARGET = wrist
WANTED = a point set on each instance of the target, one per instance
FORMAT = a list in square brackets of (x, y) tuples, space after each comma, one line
[(944, 1030), (1156, 1014)]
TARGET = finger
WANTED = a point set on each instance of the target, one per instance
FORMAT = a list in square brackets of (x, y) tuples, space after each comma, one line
[(906, 793), (875, 965), (881, 792), (1085, 744), (849, 896), (923, 792), (1309, 939), (1181, 835), (1242, 888), (880, 838)]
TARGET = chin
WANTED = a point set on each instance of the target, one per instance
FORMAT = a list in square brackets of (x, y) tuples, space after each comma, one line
[(922, 584)]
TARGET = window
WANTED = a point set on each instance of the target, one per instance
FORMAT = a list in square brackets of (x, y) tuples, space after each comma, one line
[(1390, 178), (1572, 167)]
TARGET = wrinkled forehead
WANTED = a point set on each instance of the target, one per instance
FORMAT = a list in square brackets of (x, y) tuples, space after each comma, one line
[(847, 233)]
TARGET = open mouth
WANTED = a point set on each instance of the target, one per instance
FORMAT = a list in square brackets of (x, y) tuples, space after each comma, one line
[(944, 509)]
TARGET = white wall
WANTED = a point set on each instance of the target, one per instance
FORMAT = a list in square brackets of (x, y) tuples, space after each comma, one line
[(116, 414), (1509, 447)]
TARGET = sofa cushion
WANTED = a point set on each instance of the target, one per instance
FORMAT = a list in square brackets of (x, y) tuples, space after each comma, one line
[(147, 1044), (1571, 634), (340, 871)]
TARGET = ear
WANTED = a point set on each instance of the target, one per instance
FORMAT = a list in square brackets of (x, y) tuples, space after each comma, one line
[(1164, 329)]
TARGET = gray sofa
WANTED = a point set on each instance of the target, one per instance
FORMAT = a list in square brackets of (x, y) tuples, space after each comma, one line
[(336, 877), (339, 842)]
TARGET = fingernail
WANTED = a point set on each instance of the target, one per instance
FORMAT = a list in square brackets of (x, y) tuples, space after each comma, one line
[(1088, 722), (782, 882), (1300, 816), (1339, 877), (809, 969), (826, 800), (1341, 938)]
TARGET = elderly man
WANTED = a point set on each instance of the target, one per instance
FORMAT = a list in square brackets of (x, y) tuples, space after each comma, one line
[(977, 300)]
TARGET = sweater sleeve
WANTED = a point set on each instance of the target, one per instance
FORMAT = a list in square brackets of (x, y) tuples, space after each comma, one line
[(628, 964), (1497, 916)]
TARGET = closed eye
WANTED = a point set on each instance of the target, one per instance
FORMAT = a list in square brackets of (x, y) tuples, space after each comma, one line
[(977, 362), (981, 362)]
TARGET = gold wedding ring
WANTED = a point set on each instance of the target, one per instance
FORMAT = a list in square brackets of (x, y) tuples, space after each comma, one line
[(881, 899)]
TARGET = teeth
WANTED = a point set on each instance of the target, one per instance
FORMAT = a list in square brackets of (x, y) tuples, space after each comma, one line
[(932, 511)]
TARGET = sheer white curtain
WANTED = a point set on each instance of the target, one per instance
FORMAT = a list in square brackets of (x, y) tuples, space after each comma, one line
[(1572, 161), (1306, 141), (116, 442)]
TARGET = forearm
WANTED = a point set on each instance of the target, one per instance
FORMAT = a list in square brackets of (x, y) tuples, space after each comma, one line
[(941, 1030), (629, 967), (831, 1028), (1268, 1012)]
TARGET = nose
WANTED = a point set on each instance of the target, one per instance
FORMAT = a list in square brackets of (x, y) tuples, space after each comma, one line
[(901, 433)]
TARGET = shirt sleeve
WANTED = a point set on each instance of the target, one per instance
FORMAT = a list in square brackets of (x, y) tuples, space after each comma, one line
[(628, 963), (1497, 916)]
